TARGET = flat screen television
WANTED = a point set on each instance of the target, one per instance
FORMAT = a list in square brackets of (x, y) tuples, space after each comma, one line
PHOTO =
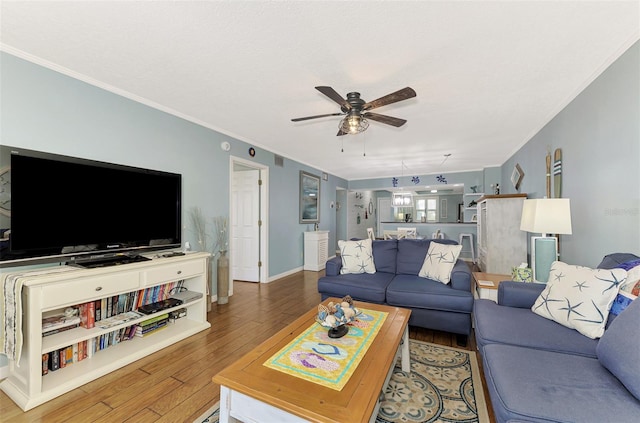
[(56, 208)]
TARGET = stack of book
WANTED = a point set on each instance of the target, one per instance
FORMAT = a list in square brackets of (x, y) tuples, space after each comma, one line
[(59, 323), (64, 357), (152, 325)]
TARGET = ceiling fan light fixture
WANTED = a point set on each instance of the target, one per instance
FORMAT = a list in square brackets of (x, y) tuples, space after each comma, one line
[(353, 124)]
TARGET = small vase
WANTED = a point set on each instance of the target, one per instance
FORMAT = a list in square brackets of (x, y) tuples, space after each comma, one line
[(223, 278)]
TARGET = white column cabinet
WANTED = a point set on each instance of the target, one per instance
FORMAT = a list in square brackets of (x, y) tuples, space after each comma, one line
[(316, 250), (46, 291), (501, 243)]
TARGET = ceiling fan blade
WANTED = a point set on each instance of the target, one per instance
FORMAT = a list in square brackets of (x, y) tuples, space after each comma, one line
[(399, 95), (340, 132), (315, 117), (385, 119), (333, 95)]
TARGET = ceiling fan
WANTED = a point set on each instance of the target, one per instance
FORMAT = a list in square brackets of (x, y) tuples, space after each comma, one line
[(356, 110)]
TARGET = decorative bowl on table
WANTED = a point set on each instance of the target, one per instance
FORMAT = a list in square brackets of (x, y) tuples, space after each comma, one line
[(336, 316)]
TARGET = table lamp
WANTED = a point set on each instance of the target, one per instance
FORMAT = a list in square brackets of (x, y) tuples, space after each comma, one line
[(545, 216)]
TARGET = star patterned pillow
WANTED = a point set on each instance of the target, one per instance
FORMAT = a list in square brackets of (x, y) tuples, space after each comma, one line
[(439, 262), (357, 256), (579, 297)]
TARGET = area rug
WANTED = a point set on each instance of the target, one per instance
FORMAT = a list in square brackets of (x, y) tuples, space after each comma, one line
[(441, 388)]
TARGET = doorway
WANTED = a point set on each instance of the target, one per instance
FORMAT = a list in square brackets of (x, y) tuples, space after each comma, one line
[(341, 216), (248, 220)]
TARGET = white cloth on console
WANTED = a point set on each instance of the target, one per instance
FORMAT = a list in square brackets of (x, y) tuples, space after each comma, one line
[(11, 300)]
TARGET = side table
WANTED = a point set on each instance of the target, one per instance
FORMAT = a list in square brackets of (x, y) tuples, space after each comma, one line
[(484, 290)]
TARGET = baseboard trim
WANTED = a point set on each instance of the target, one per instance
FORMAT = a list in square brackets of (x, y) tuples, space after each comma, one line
[(282, 275)]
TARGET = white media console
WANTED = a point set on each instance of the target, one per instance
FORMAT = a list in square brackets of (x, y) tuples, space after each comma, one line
[(46, 292)]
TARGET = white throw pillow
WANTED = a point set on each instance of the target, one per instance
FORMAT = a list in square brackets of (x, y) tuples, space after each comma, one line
[(439, 261), (357, 256), (579, 297)]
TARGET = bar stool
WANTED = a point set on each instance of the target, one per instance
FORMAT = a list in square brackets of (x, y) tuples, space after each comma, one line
[(473, 252)]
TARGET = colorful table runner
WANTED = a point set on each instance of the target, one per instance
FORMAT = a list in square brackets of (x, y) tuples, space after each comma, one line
[(315, 357)]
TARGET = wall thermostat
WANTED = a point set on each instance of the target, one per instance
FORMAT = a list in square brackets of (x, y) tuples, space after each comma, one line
[(225, 146)]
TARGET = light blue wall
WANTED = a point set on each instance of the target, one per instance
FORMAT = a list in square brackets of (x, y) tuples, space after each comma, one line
[(599, 134), (47, 111)]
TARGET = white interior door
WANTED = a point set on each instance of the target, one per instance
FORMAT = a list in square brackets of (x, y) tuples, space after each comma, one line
[(245, 246), (384, 213)]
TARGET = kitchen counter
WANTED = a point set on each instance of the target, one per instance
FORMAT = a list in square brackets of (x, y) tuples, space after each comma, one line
[(449, 230)]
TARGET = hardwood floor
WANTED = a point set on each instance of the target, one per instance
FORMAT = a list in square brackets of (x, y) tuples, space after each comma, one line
[(174, 385)]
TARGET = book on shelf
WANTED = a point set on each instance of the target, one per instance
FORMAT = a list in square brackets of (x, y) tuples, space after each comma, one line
[(108, 307), (54, 331), (59, 321), (89, 348), (158, 326), (98, 306), (150, 328), (63, 358), (114, 305), (82, 311), (87, 315), (54, 361), (486, 283), (91, 314), (81, 355), (154, 319), (69, 354), (45, 363), (151, 325), (119, 319)]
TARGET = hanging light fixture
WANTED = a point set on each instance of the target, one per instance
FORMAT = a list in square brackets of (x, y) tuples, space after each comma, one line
[(402, 199), (353, 123)]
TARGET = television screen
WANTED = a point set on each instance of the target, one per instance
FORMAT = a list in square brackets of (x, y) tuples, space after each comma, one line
[(63, 208)]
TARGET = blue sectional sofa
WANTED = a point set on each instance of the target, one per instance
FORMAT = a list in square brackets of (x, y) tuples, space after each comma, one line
[(433, 304), (537, 370)]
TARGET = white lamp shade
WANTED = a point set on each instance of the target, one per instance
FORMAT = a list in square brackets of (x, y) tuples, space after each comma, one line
[(546, 216)]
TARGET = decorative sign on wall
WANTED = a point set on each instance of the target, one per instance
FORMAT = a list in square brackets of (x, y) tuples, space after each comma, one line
[(415, 180), (441, 179), (516, 176)]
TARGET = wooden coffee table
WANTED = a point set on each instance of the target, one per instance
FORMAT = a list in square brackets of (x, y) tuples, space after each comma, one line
[(252, 392)]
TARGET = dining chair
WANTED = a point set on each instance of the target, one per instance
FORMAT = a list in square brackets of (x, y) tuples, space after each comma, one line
[(409, 233), (371, 234)]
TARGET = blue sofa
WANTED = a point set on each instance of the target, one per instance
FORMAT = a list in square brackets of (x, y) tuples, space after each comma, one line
[(537, 370), (433, 304)]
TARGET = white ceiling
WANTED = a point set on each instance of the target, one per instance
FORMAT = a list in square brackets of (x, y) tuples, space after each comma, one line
[(488, 74)]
